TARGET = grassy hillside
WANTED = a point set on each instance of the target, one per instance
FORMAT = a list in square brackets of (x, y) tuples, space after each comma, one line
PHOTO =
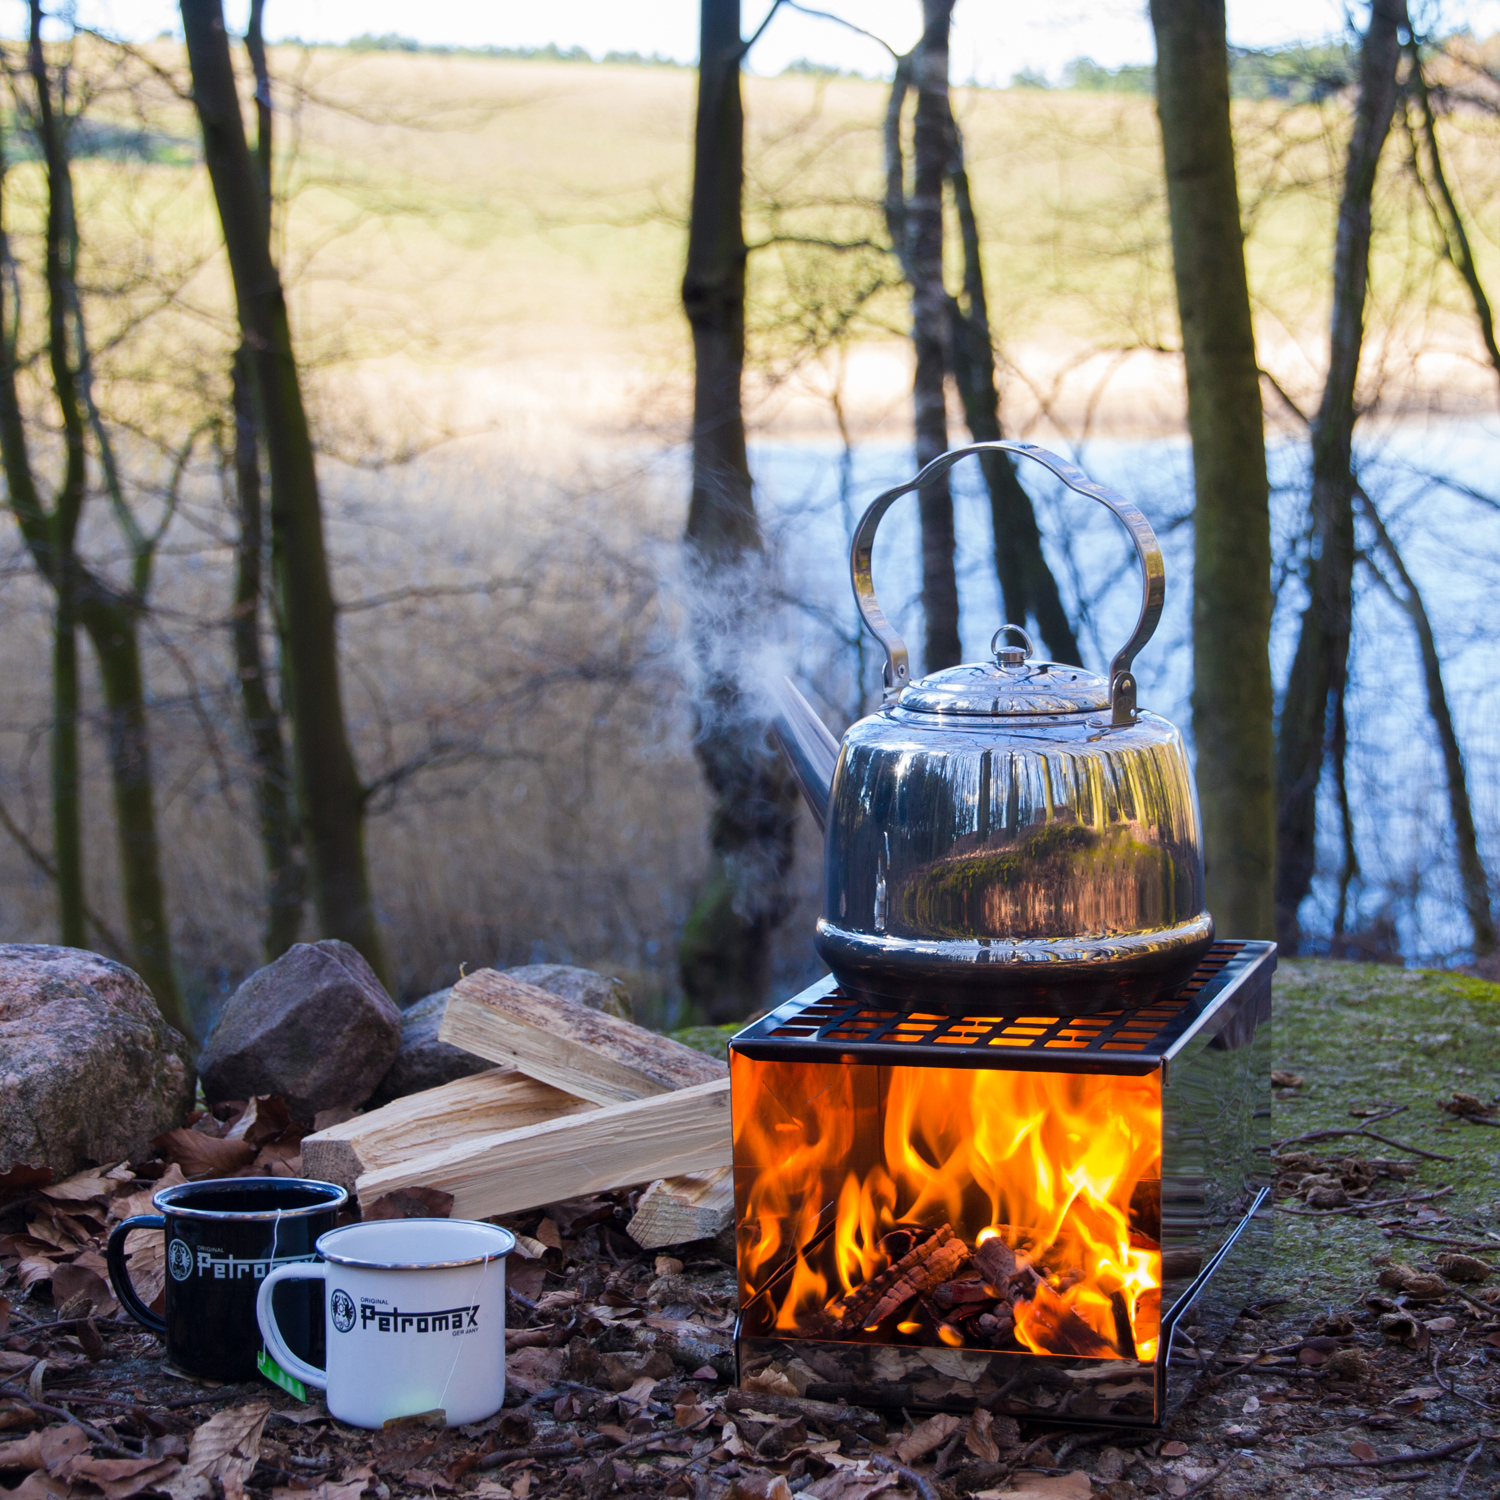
[(472, 228)]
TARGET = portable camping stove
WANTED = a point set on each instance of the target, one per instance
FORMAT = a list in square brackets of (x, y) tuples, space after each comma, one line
[(1044, 1216)]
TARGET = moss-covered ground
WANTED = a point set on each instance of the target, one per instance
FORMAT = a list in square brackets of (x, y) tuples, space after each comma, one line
[(1364, 1037)]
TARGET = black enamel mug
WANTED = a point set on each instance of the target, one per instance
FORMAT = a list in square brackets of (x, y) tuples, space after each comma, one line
[(223, 1237)]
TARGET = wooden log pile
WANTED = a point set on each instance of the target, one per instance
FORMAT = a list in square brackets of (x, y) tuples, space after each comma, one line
[(581, 1102)]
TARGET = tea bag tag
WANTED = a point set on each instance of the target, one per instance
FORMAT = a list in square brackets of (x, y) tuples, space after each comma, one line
[(277, 1376)]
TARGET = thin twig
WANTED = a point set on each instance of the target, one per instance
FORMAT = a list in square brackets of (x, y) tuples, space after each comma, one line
[(1354, 1208), (1446, 1451), (908, 1476), (95, 1436), (1463, 1473), (1453, 1389), (1208, 1479), (1437, 1239), (1385, 1140)]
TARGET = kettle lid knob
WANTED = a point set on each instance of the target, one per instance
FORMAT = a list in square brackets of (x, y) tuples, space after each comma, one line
[(1009, 655)]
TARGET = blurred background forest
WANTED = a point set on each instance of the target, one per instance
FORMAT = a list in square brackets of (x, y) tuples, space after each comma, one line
[(483, 255)]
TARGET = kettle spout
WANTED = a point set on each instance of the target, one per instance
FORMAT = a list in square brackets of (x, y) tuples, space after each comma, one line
[(811, 751)]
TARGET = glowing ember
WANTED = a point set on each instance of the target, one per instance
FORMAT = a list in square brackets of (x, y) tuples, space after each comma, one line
[(949, 1206)]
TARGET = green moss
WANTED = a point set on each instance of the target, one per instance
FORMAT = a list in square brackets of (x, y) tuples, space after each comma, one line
[(1363, 1035), (709, 1039)]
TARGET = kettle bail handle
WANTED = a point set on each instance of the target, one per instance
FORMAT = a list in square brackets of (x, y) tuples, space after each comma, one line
[(1147, 551)]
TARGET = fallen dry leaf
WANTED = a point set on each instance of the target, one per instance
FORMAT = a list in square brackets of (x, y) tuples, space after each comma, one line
[(39, 1486), (980, 1438), (82, 1292), (82, 1187), (20, 1180), (760, 1486), (1362, 1449), (44, 1450), (426, 1479), (146, 1260), (120, 1478), (549, 1234), (1074, 1486), (521, 1486), (204, 1155), (1280, 1079), (265, 1119), (857, 1482), (226, 1448), (639, 1392), (1468, 1106), (127, 1205), (1173, 1449), (932, 1434)]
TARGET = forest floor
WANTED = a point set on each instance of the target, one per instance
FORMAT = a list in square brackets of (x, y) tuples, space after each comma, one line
[(1370, 1366)]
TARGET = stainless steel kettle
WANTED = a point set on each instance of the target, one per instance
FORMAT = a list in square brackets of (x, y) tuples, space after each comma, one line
[(1011, 833)]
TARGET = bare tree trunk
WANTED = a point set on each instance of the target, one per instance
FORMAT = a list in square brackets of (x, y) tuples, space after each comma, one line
[(108, 617), (1232, 695), (1475, 881), (929, 326), (1449, 221), (1027, 586), (330, 796), (1321, 661), (279, 835), (50, 537), (67, 799), (724, 953)]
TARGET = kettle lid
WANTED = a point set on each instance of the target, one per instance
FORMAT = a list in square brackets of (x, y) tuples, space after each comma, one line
[(1015, 683)]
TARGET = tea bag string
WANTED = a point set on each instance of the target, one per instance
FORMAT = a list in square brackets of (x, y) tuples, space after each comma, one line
[(458, 1343)]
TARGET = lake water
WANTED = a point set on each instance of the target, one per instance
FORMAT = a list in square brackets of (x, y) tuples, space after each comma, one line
[(810, 498)]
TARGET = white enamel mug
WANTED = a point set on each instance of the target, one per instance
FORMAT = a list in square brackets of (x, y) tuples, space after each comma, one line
[(415, 1312)]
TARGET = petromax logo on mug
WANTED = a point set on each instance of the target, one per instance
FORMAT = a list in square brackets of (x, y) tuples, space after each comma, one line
[(341, 1305), (179, 1260), (182, 1261), (384, 1319)]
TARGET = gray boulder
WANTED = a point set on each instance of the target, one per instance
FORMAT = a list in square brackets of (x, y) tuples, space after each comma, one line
[(316, 1027), (424, 1062), (89, 1070)]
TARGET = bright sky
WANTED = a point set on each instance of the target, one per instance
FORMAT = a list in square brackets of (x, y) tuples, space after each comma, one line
[(992, 39)]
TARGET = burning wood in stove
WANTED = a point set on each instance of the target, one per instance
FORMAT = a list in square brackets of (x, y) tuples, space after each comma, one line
[(923, 1267), (974, 1297)]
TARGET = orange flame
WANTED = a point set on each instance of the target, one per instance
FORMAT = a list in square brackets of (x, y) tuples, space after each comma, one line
[(831, 1158)]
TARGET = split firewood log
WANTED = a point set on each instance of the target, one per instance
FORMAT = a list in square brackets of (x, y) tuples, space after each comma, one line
[(678, 1209), (921, 1269), (584, 1052)]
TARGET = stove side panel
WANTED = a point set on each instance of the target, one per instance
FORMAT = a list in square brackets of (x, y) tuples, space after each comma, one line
[(1216, 1134)]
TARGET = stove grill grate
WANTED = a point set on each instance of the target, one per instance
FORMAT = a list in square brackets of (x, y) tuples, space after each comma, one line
[(852, 1025)]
